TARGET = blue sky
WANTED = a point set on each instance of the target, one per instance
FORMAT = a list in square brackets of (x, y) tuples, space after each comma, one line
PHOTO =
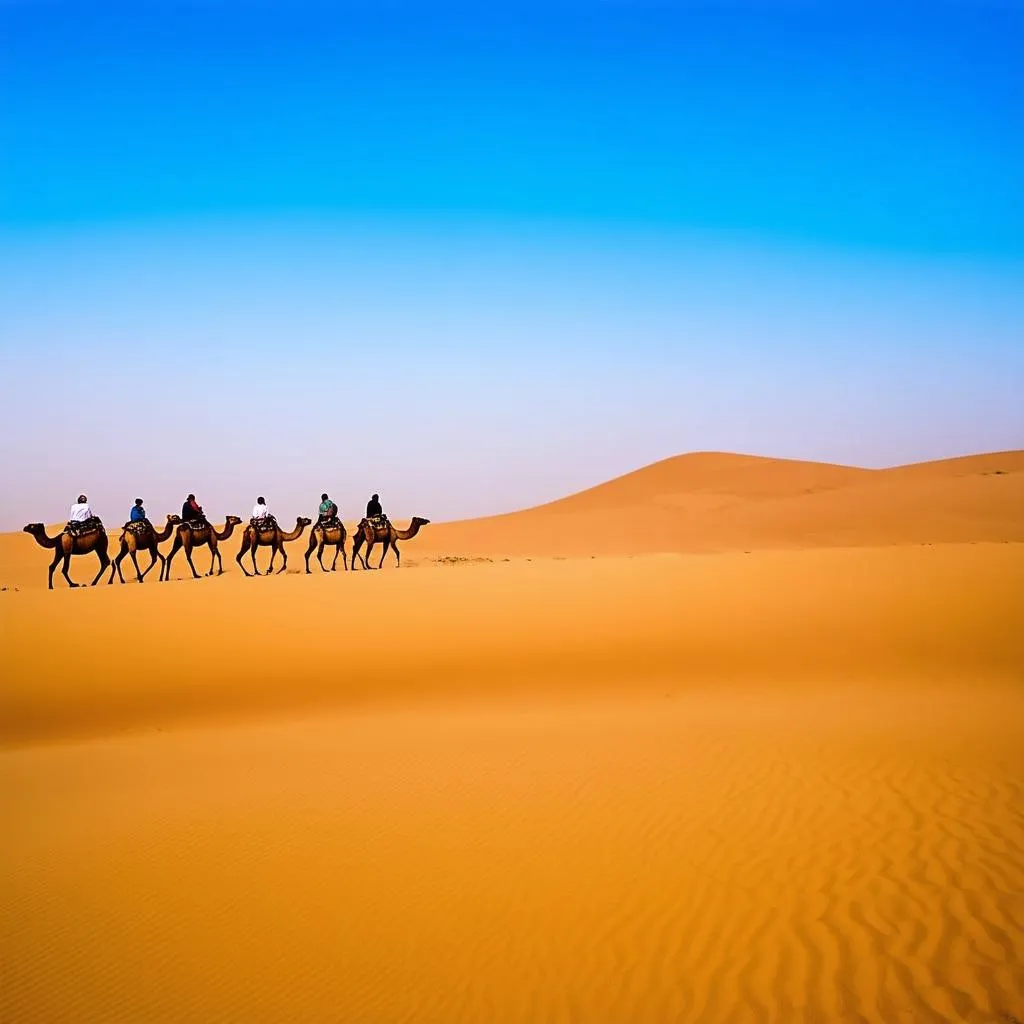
[(475, 259)]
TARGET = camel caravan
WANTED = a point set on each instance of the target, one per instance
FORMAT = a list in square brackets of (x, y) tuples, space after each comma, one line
[(85, 534)]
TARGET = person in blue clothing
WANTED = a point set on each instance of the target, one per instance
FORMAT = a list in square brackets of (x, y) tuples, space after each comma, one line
[(138, 514)]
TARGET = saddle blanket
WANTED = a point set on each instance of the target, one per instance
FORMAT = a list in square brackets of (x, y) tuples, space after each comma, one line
[(139, 526), (265, 525), (88, 526), (379, 523), (330, 524), (196, 524)]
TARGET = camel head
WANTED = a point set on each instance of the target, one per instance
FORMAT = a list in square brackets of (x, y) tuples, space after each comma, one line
[(303, 521), (34, 528), (419, 521), (173, 520), (232, 520)]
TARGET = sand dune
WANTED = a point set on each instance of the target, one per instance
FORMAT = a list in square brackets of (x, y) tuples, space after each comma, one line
[(757, 759), (716, 502)]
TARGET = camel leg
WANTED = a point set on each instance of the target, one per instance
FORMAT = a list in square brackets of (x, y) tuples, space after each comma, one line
[(284, 559), (255, 569), (214, 552), (320, 555), (398, 554), (115, 566), (165, 569), (387, 544), (309, 551), (356, 545), (104, 562), (154, 554), (135, 562), (188, 558), (241, 551), (53, 565), (64, 569)]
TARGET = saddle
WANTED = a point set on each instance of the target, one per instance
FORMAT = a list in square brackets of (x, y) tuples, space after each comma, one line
[(331, 523), (195, 524), (268, 524), (139, 527), (379, 524), (92, 525)]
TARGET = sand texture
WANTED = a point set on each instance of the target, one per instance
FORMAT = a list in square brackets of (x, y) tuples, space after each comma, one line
[(724, 740)]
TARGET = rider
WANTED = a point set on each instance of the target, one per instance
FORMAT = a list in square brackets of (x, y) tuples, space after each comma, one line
[(328, 510), (80, 511), (260, 510), (191, 511), (373, 508), (138, 513)]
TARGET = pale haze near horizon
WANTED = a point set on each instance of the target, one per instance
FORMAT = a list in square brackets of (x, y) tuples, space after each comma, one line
[(463, 373)]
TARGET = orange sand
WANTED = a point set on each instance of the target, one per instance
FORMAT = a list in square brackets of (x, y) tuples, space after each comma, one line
[(673, 781)]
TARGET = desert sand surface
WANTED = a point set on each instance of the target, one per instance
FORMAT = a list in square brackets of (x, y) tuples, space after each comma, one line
[(726, 739)]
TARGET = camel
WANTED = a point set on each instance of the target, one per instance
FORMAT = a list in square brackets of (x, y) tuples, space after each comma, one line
[(189, 536), (268, 534), (67, 544), (388, 534), (320, 536), (142, 536)]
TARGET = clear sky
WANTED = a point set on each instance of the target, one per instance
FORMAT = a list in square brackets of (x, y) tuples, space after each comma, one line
[(475, 256)]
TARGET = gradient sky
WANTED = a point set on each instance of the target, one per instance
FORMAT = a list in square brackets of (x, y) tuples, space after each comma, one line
[(475, 259)]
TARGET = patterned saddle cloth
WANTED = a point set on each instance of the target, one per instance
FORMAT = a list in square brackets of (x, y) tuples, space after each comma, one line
[(140, 527), (268, 524), (330, 524), (380, 524), (195, 524), (92, 525)]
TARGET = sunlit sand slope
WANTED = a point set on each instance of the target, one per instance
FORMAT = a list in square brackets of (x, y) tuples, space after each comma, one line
[(94, 662)]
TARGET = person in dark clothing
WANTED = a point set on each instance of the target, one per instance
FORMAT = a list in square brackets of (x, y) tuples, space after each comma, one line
[(373, 508), (191, 511), (138, 513), (328, 510)]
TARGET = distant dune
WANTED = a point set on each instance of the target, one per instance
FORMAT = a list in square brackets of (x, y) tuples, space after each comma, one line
[(719, 502), (724, 739)]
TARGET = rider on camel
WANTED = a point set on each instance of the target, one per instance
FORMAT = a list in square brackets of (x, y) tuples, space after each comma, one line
[(373, 508), (260, 512), (191, 512), (81, 518), (327, 511)]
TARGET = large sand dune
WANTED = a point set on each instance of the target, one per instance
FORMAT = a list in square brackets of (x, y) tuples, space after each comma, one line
[(726, 739)]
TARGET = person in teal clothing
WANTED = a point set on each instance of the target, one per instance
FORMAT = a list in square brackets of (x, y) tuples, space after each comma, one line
[(138, 513), (328, 510)]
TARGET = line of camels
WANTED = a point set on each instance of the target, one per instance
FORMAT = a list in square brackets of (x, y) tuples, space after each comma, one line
[(143, 536)]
